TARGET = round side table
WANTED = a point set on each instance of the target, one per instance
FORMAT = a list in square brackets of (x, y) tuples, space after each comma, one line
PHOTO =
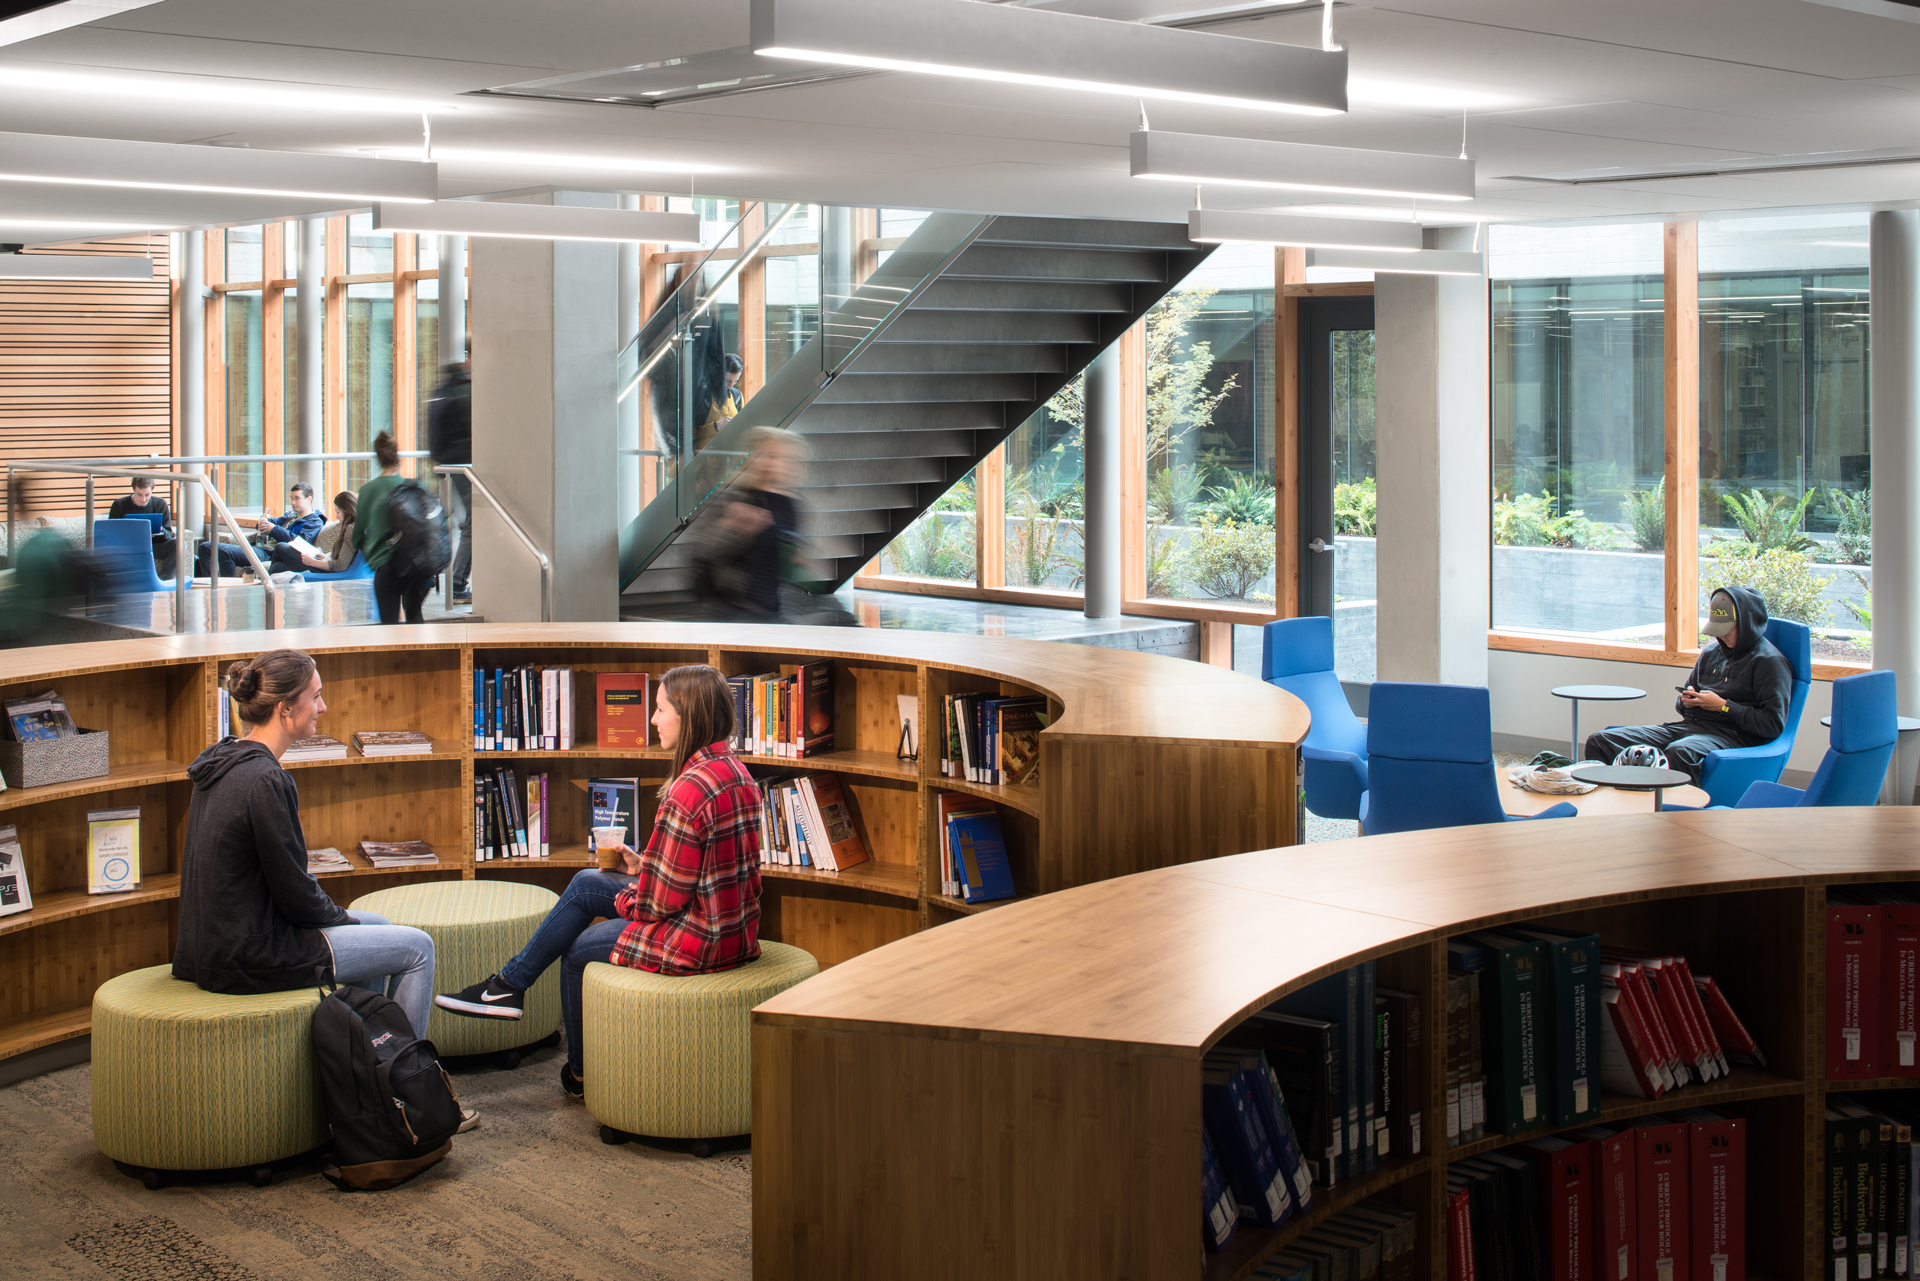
[(1593, 694), (1633, 778)]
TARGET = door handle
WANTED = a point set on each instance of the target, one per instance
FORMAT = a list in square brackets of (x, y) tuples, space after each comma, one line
[(1320, 545)]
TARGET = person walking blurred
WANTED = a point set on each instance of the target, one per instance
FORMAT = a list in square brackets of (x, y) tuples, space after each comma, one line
[(450, 440), (748, 542), (395, 523)]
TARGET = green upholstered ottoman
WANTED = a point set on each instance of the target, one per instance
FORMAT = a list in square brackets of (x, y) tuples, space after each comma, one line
[(191, 1080), (476, 927), (671, 1057)]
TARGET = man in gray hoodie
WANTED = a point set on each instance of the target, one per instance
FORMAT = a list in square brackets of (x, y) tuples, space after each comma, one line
[(1736, 696)]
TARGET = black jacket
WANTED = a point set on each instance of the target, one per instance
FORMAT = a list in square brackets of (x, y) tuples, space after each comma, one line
[(450, 418), (1754, 678), (250, 914), (123, 507)]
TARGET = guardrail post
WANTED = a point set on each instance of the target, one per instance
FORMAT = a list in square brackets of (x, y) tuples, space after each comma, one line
[(182, 575), (89, 511)]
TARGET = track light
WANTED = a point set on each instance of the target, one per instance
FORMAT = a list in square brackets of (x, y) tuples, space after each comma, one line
[(1194, 157), (18, 266), (1227, 227), (168, 166), (1018, 45), (1426, 262), (538, 222)]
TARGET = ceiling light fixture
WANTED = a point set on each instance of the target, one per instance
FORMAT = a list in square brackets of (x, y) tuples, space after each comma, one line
[(169, 166), (78, 220), (545, 160), (30, 21), (1229, 227), (1409, 96), (18, 266), (252, 94), (1017, 45), (1425, 262), (1194, 157), (538, 222)]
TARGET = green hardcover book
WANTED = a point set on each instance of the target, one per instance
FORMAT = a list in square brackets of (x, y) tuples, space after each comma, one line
[(1839, 1234), (1514, 1031), (1573, 1001)]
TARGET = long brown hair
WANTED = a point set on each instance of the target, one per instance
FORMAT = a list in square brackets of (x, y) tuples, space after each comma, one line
[(347, 505), (705, 703), (259, 685)]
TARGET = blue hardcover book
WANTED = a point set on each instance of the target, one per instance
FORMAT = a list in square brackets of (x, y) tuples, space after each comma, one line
[(1245, 1151), (1219, 1213), (479, 720), (1368, 1067), (980, 853), (1263, 1090), (1335, 999), (614, 801)]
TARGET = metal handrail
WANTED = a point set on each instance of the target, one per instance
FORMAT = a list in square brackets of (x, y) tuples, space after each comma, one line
[(180, 576), (447, 471), (138, 459)]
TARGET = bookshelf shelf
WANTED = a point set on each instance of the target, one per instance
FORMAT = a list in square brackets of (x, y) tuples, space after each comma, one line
[(970, 909), (159, 700), (137, 774), (1251, 1246), (1837, 1085)]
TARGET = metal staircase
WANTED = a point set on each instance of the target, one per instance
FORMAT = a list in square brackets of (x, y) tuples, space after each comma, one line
[(967, 329)]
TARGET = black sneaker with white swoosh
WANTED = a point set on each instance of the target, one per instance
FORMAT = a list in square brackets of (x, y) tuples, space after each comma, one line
[(494, 999)]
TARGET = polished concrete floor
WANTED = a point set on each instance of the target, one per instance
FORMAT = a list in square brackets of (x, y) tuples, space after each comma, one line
[(244, 609)]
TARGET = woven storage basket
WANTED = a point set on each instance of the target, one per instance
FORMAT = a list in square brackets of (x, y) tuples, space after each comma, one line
[(59, 760)]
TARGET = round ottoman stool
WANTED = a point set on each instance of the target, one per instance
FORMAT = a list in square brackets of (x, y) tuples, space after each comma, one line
[(671, 1058), (476, 927), (191, 1080)]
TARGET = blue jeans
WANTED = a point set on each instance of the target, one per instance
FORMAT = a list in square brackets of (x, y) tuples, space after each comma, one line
[(393, 960), (569, 932)]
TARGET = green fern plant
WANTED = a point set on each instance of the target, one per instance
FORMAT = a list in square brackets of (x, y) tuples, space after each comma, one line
[(1771, 522), (1244, 500), (1854, 516), (1646, 512)]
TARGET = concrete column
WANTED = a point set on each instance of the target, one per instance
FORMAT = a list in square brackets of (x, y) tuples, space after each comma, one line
[(629, 409), (1100, 452), (310, 309), (545, 344), (1894, 265), (193, 371), (1430, 412), (453, 300)]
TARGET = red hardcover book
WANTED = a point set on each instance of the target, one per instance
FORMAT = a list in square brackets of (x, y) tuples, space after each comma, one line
[(1697, 1009), (1675, 1013), (1853, 990), (1674, 983), (1717, 1165), (1616, 1204), (620, 708), (1459, 1236), (1660, 1179), (1899, 972), (1626, 1054), (1634, 990), (1565, 1171), (1734, 1037)]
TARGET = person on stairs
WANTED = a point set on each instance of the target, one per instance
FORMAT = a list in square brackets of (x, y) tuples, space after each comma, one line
[(252, 918), (1736, 696), (687, 904)]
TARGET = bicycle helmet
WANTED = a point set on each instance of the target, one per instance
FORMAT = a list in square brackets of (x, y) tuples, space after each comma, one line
[(1642, 754)]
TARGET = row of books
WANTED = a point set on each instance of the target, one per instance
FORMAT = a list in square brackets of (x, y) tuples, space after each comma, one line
[(391, 742), (1541, 1020), (787, 713), (509, 814), (973, 850), (1660, 1198), (992, 739), (1374, 1239), (1873, 1186), (398, 853), (530, 708), (1873, 981), (805, 821)]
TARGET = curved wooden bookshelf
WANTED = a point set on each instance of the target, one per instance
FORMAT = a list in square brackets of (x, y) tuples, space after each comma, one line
[(1018, 1094), (1127, 783)]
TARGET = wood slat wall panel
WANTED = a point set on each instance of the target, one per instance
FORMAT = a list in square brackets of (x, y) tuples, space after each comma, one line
[(85, 370)]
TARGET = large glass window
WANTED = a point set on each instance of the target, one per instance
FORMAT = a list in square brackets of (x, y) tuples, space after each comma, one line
[(369, 374), (1046, 500), (1784, 450), (1579, 431), (244, 399), (943, 542)]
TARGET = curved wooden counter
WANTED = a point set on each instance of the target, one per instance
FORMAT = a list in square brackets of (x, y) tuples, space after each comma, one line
[(1018, 1096), (1150, 761)]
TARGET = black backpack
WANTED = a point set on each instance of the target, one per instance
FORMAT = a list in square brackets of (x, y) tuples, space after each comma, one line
[(390, 1103), (421, 546)]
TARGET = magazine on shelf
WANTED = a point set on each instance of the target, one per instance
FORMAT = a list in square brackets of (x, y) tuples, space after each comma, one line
[(321, 747), (327, 860), (113, 851), (15, 896), (398, 853), (392, 742), (39, 718)]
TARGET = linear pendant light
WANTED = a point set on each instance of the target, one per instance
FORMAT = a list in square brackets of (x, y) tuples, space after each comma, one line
[(1195, 157), (538, 222), (1426, 262), (1018, 45), (15, 266), (1230, 227), (170, 166)]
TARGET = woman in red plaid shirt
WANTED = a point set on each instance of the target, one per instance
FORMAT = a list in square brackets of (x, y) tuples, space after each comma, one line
[(687, 904)]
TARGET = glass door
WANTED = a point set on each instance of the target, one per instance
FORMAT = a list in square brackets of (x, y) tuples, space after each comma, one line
[(1336, 469)]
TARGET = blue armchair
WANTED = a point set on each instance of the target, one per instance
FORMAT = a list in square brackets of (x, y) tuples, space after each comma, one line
[(1859, 748), (1726, 774), (1297, 655), (357, 568), (1430, 760), (124, 549)]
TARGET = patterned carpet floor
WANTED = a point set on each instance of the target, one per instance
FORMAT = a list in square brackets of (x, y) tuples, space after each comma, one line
[(532, 1193)]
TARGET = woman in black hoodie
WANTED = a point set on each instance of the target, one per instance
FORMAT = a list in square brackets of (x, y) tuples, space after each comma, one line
[(252, 919)]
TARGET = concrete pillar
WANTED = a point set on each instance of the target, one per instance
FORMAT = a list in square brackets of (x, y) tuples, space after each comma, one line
[(1100, 453), (545, 344), (453, 300), (310, 307), (1430, 413), (1894, 265), (629, 409), (193, 371)]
